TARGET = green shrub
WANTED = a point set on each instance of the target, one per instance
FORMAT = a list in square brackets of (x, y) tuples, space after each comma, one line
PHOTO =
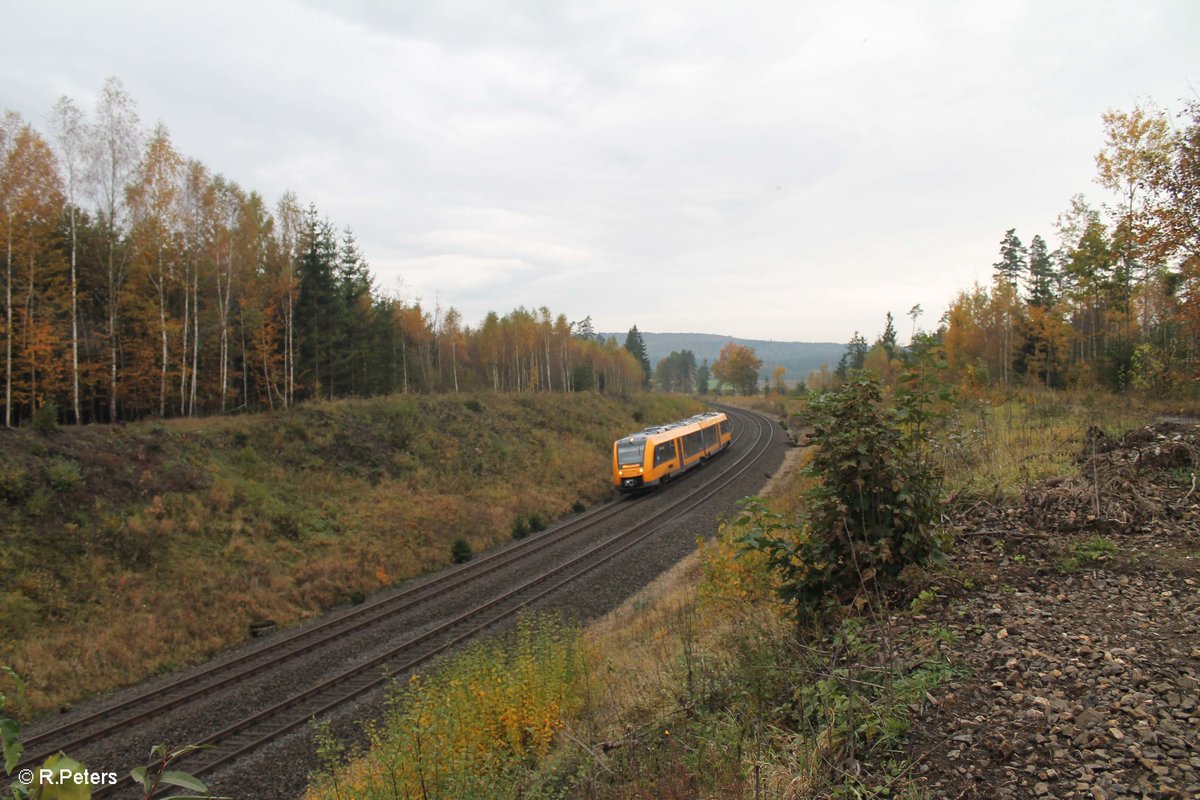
[(45, 419), (63, 475), (38, 503), (870, 511), (536, 522), (460, 551), (13, 481), (520, 528), (248, 457), (579, 506)]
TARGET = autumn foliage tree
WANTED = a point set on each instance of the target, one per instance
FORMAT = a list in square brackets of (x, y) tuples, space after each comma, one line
[(1117, 302), (738, 366), (139, 282)]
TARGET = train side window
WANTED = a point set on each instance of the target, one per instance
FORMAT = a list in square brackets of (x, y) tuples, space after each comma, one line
[(664, 452)]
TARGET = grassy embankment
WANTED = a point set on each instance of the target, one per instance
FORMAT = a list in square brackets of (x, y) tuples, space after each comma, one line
[(129, 550), (698, 687)]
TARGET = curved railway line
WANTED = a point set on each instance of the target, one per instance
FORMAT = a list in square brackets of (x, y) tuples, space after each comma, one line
[(567, 560)]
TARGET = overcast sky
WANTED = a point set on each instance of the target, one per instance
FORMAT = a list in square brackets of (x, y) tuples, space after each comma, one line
[(775, 170)]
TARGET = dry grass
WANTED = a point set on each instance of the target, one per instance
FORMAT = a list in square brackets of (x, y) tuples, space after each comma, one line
[(1000, 447), (681, 672), (127, 551)]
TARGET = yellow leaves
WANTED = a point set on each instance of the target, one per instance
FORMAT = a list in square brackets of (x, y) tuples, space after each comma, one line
[(738, 366), (731, 576), (494, 707)]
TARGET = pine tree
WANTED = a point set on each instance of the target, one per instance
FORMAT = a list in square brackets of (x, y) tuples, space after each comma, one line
[(1042, 276), (1008, 275), (317, 308), (637, 348), (888, 337), (584, 330), (1012, 265), (351, 339)]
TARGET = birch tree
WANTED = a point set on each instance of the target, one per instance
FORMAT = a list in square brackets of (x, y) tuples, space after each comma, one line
[(115, 148), (199, 210), (71, 137), (9, 127), (154, 201), (290, 219)]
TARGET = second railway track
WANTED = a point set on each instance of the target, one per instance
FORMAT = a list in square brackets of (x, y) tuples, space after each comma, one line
[(566, 561)]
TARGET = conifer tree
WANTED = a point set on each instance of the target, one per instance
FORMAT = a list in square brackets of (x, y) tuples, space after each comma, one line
[(854, 357), (637, 348), (1042, 278), (888, 337), (317, 307), (1012, 264)]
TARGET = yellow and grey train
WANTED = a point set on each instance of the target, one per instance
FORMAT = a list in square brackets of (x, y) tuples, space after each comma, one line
[(656, 454)]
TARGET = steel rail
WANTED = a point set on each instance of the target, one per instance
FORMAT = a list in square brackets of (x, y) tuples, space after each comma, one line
[(186, 688), (271, 723)]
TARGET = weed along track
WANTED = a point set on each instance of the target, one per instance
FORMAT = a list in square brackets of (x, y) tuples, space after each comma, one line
[(243, 702)]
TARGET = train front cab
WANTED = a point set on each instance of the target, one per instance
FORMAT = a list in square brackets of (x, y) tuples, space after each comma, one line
[(629, 463)]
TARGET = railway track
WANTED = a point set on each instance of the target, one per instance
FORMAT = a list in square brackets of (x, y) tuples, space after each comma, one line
[(113, 718), (752, 437)]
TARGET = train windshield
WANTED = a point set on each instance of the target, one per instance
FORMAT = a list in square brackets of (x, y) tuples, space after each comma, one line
[(631, 452)]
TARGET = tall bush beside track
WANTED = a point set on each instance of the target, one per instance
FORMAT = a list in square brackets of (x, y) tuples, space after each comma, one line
[(872, 510)]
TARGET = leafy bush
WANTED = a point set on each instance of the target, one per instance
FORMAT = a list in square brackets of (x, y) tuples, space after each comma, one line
[(872, 509), (471, 727), (13, 481), (63, 475), (536, 522), (460, 551), (520, 528), (45, 419)]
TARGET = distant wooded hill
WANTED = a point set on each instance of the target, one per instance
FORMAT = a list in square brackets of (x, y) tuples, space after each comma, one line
[(798, 358)]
